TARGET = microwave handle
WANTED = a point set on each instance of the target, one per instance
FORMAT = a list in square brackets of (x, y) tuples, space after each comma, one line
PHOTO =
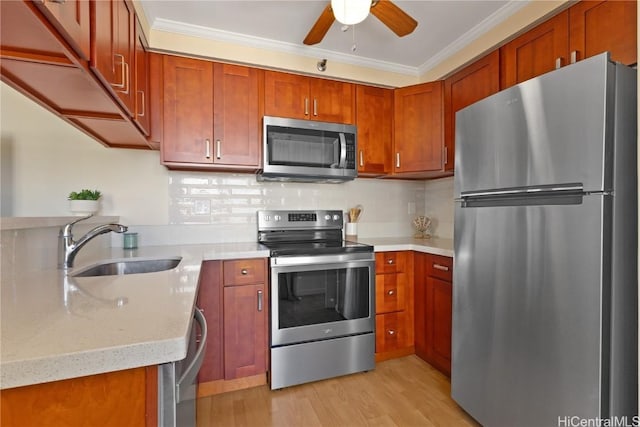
[(343, 150)]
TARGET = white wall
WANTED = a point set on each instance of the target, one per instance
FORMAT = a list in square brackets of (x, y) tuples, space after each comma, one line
[(43, 159)]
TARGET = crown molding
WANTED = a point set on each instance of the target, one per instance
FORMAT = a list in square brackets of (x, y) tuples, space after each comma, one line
[(487, 24), (170, 26)]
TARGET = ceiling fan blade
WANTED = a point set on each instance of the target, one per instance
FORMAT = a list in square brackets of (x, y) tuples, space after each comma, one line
[(320, 28), (393, 17)]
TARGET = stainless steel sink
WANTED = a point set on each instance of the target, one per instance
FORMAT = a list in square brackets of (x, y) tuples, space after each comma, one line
[(130, 266)]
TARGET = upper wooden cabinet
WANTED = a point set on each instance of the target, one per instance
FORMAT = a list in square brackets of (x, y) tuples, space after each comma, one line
[(72, 20), (113, 48), (418, 137), (41, 60), (374, 118), (211, 115), (585, 29), (300, 97), (536, 52), (236, 115), (599, 26), (469, 85)]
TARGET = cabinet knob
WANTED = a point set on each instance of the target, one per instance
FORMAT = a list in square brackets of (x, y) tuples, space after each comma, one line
[(391, 292), (391, 332), (390, 261), (244, 271)]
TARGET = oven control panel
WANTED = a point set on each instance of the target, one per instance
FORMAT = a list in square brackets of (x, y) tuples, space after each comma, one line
[(300, 220)]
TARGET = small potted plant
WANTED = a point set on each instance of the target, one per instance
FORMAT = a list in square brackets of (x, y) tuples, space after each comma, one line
[(84, 202)]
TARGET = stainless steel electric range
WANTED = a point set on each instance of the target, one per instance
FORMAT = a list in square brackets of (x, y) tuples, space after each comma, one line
[(322, 297)]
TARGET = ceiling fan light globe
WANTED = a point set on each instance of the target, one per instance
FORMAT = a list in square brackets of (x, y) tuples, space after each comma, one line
[(350, 12)]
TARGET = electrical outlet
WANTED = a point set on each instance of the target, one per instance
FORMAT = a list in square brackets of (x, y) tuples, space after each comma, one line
[(411, 208)]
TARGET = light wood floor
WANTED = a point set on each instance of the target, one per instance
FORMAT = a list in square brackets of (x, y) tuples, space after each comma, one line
[(399, 392)]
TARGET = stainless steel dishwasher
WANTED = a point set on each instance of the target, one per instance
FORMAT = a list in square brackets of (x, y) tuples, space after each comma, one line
[(177, 381)]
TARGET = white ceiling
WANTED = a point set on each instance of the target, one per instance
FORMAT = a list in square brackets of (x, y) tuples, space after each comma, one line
[(444, 27)]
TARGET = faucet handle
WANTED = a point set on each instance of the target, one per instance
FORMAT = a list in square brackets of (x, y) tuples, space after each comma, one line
[(66, 231)]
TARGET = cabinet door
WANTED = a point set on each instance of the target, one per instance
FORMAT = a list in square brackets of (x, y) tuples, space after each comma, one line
[(599, 26), (418, 138), (112, 48), (540, 50), (374, 118), (156, 98), (286, 95), (72, 19), (471, 84), (438, 323), (391, 333), (141, 94), (245, 331), (236, 123), (420, 309), (210, 298), (332, 101), (390, 292), (188, 111)]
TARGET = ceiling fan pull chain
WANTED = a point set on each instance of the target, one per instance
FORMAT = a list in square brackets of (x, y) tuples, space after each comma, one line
[(353, 47)]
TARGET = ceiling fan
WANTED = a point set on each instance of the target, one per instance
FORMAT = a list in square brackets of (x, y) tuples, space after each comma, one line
[(391, 15)]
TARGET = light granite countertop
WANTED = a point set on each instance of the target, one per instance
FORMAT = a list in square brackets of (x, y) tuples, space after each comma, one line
[(56, 326)]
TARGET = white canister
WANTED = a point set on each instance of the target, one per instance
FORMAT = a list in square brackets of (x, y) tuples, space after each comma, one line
[(352, 229)]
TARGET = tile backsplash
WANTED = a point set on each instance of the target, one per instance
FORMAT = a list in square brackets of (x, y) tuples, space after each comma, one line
[(221, 207)]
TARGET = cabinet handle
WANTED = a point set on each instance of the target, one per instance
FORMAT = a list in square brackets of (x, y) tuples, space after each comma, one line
[(141, 92), (391, 292), (361, 159), (259, 300), (244, 272), (390, 261), (306, 106), (218, 153), (391, 332), (446, 154), (122, 78), (315, 107), (574, 57), (558, 62), (58, 1), (440, 267), (127, 75), (207, 153), (397, 160)]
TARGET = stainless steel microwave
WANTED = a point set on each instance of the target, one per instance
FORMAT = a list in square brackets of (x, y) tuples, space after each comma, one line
[(308, 151)]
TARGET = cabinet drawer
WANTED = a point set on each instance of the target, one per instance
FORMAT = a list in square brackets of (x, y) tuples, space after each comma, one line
[(244, 271), (390, 291), (440, 267), (390, 331), (390, 262)]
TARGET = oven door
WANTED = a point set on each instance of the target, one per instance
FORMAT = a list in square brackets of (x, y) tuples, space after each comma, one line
[(321, 297)]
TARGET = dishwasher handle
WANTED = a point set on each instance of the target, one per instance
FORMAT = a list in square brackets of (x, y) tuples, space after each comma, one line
[(189, 375)]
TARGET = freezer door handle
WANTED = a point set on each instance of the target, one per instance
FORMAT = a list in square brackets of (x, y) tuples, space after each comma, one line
[(573, 188)]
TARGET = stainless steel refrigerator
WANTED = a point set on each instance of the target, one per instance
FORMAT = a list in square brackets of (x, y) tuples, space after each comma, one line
[(545, 240)]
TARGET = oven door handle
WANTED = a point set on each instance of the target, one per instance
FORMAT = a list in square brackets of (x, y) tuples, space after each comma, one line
[(190, 373), (343, 150), (322, 259)]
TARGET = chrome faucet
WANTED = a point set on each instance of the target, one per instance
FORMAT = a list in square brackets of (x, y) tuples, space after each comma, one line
[(69, 248)]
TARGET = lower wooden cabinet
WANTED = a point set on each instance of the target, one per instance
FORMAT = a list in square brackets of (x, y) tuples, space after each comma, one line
[(121, 398), (433, 309), (234, 297), (394, 304)]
